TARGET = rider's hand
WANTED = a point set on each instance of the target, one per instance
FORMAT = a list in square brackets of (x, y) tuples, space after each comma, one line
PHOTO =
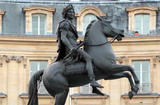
[(119, 38), (73, 50)]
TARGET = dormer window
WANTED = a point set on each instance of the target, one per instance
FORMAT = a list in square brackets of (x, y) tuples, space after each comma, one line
[(39, 20), (142, 19)]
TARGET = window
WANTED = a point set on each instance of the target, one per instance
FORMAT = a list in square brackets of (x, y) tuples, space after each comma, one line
[(34, 67), (38, 24), (142, 19), (88, 12), (1, 14), (39, 20), (142, 69), (87, 19), (142, 23), (37, 65)]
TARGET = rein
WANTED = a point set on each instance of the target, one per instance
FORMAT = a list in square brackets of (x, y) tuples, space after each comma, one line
[(111, 41)]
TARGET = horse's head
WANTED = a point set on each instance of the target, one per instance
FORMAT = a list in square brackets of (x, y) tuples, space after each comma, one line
[(109, 31)]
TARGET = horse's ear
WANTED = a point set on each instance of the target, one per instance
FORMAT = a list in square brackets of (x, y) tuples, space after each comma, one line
[(99, 18)]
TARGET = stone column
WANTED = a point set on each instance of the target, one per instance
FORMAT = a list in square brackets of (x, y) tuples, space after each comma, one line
[(14, 79)]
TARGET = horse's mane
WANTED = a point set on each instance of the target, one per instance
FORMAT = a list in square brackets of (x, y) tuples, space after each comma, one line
[(88, 28)]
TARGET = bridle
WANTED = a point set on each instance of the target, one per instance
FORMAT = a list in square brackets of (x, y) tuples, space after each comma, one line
[(111, 41), (84, 43)]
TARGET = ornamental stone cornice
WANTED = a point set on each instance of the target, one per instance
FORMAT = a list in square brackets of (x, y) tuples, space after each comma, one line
[(156, 59), (142, 8), (155, 38), (31, 8), (28, 38), (1, 60), (88, 9), (18, 59)]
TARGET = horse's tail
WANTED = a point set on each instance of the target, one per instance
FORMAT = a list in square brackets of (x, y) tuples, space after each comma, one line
[(33, 88)]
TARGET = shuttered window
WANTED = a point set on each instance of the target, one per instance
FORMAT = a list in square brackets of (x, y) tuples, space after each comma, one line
[(141, 23), (86, 20), (142, 69), (38, 24)]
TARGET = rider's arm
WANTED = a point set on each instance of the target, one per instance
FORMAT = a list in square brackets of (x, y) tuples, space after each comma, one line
[(64, 29), (65, 40)]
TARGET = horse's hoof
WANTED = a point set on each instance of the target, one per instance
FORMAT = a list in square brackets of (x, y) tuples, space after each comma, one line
[(98, 92), (135, 89), (131, 94)]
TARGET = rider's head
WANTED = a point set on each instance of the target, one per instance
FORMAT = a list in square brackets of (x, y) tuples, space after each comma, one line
[(68, 12)]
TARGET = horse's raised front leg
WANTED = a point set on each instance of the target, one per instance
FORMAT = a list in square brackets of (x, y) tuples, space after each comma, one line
[(115, 68), (121, 75), (117, 76)]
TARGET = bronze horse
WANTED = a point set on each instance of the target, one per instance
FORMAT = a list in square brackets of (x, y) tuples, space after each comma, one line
[(58, 77)]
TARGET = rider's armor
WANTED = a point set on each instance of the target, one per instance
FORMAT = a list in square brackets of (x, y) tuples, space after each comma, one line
[(71, 36)]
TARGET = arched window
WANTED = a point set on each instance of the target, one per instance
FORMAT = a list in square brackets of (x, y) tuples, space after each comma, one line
[(88, 12), (86, 20)]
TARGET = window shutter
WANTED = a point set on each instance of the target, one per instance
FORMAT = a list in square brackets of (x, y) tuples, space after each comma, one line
[(145, 24), (136, 66), (33, 68), (146, 76), (137, 23), (42, 24), (35, 24)]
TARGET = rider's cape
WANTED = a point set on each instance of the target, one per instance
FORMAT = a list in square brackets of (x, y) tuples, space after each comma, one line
[(68, 26)]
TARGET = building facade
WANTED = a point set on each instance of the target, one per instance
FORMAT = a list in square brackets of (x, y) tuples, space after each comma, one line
[(28, 44)]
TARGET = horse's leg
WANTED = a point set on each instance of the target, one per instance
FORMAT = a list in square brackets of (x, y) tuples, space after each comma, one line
[(115, 68), (121, 75), (115, 76), (89, 68), (61, 97)]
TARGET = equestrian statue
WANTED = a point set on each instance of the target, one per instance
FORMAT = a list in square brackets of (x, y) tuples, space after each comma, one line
[(75, 66)]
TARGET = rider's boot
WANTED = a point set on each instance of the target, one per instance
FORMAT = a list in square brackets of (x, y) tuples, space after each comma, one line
[(91, 75), (93, 83), (97, 91)]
